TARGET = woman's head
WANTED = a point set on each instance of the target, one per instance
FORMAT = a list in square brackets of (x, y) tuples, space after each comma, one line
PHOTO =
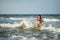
[(39, 16)]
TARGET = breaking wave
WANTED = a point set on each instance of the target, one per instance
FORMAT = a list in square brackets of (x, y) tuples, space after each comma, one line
[(14, 18), (45, 19), (49, 32), (46, 33), (17, 22), (51, 20)]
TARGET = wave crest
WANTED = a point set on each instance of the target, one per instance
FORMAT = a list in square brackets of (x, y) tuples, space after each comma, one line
[(49, 20)]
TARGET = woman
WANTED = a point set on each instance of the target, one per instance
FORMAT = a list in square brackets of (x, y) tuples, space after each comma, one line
[(39, 22)]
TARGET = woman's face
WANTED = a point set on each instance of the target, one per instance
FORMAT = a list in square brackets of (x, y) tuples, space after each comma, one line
[(39, 17)]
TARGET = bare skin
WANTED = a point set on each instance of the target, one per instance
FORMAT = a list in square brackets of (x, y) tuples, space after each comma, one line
[(39, 22)]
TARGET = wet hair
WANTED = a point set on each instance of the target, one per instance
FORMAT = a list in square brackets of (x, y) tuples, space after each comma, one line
[(40, 16)]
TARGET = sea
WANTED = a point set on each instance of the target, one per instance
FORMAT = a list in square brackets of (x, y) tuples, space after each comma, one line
[(10, 23)]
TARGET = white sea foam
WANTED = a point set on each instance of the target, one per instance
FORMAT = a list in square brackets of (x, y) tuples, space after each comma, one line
[(45, 19), (18, 37), (50, 28), (9, 25), (44, 35), (22, 38), (27, 23), (51, 20), (30, 24), (16, 18)]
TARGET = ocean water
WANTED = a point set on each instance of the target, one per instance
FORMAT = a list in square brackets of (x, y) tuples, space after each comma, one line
[(50, 30)]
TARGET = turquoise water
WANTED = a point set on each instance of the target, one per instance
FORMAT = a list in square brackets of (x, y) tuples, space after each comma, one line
[(50, 28)]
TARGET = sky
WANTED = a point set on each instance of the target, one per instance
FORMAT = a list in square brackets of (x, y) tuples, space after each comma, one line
[(29, 6)]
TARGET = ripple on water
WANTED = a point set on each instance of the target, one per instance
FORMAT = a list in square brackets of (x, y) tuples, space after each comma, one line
[(29, 35)]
